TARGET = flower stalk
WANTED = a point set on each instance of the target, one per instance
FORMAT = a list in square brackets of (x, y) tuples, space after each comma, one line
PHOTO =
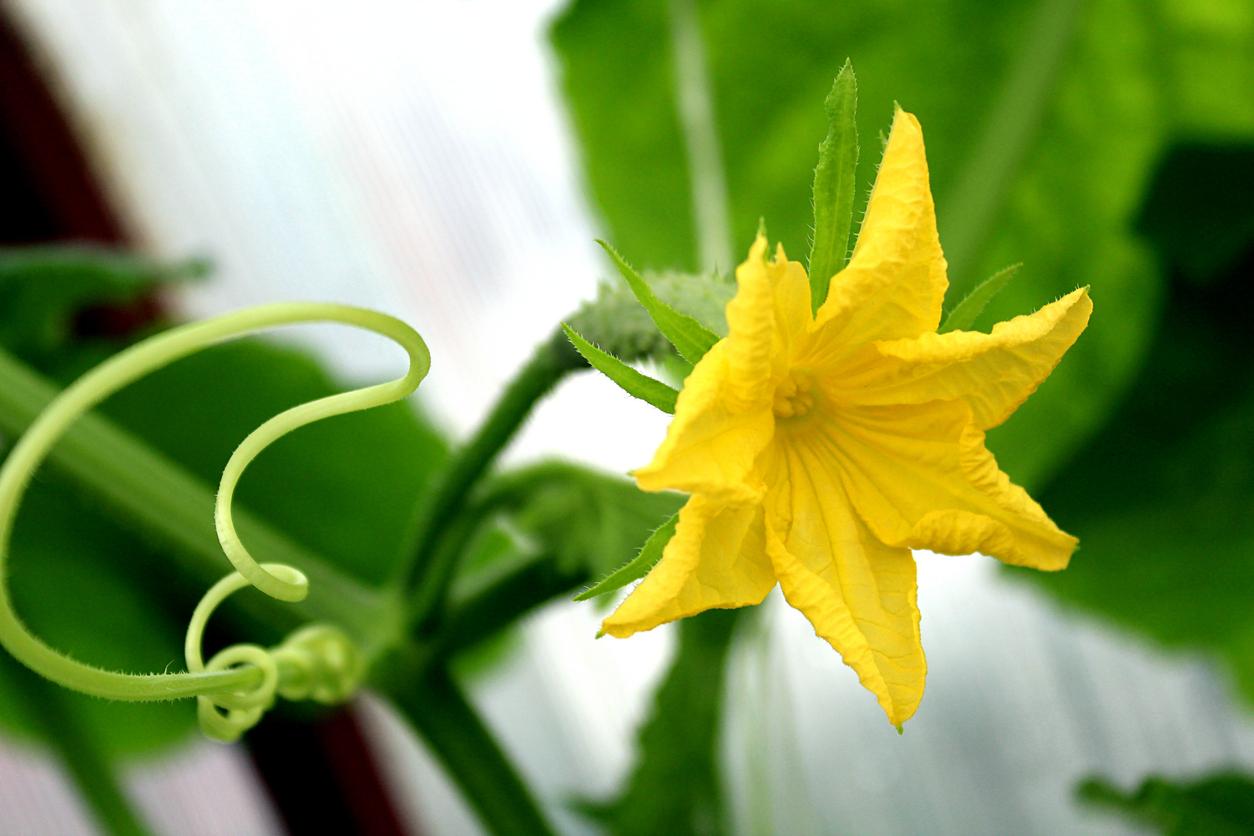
[(431, 569)]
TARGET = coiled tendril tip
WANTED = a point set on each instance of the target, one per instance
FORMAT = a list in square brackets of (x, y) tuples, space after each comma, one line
[(239, 684)]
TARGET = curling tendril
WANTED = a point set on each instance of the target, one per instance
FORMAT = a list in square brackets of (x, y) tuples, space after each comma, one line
[(238, 684)]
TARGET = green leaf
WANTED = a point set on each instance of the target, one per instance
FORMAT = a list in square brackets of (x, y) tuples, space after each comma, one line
[(1041, 132), (676, 786), (1163, 498), (690, 338), (636, 568), (964, 314), (653, 392), (834, 185), (1221, 804), (1201, 227), (44, 290)]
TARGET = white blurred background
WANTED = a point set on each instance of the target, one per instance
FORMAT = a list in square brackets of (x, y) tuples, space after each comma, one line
[(414, 157)]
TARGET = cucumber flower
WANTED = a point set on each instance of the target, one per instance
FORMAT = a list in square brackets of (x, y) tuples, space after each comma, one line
[(820, 448)]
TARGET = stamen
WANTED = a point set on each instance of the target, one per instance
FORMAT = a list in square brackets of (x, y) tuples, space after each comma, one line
[(793, 398)]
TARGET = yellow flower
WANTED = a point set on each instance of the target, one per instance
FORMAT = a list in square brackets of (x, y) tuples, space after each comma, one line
[(820, 449)]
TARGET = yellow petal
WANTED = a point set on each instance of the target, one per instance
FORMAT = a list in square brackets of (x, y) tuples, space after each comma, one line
[(859, 594), (791, 298), (994, 373), (896, 279), (723, 415), (769, 310), (751, 332), (714, 438), (920, 476), (716, 560)]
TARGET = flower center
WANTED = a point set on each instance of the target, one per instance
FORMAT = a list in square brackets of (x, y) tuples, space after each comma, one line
[(793, 398)]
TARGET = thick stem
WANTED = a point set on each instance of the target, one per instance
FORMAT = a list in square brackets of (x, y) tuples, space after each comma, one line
[(504, 599), (435, 707), (428, 574), (494, 604)]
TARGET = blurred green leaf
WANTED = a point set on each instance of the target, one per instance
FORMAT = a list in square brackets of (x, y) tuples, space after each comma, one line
[(1042, 121), (1216, 805), (638, 385), (676, 786), (484, 605), (1197, 221), (44, 290), (346, 488), (1163, 498), (834, 180)]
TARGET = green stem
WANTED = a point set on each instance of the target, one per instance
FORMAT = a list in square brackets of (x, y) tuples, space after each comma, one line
[(427, 576), (505, 598), (178, 510), (440, 713), (677, 777), (80, 755), (490, 604)]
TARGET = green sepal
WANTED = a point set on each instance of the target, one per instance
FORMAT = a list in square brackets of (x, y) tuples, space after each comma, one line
[(834, 185), (634, 383), (963, 316), (648, 556), (690, 338)]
